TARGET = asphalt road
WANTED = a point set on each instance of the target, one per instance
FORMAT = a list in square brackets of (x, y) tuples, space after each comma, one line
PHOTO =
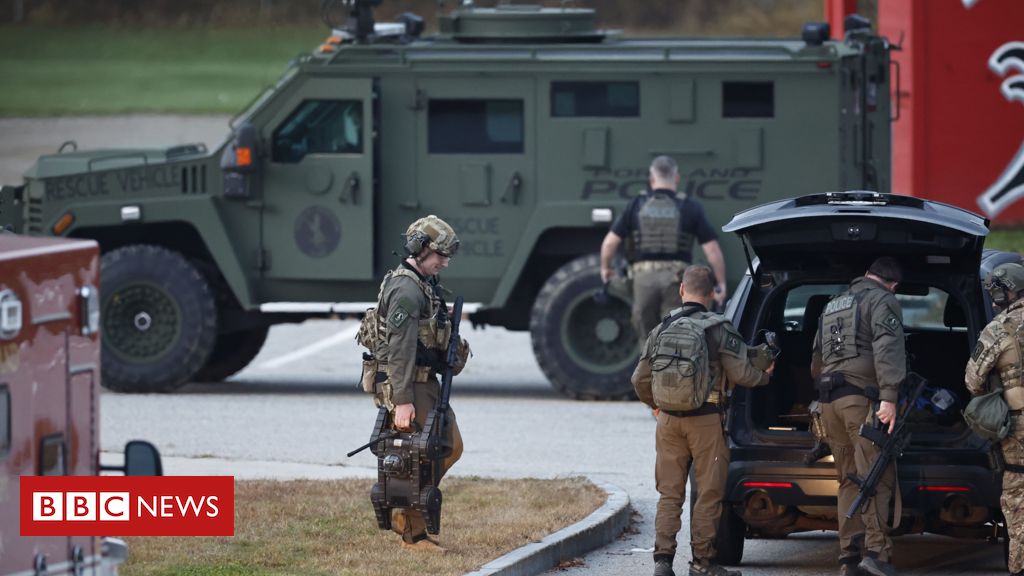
[(298, 403)]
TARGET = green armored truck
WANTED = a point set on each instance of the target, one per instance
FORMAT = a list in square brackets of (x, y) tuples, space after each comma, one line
[(525, 127)]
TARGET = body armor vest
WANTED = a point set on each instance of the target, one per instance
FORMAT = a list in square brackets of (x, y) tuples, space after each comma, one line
[(659, 235), (433, 331), (839, 328), (1010, 368)]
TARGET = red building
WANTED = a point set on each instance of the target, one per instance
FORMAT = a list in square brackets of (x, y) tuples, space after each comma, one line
[(958, 136)]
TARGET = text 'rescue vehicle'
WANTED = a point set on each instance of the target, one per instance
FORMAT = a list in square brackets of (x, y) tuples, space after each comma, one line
[(49, 396), (523, 126), (806, 251)]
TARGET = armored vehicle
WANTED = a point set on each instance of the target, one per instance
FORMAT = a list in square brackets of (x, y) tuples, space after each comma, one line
[(49, 396), (805, 251), (525, 127)]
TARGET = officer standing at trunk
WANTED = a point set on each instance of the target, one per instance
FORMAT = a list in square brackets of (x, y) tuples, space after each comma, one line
[(659, 228), (998, 354), (859, 359), (690, 361)]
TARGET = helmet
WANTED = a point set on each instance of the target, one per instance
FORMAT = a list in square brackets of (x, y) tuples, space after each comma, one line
[(1003, 279), (431, 232)]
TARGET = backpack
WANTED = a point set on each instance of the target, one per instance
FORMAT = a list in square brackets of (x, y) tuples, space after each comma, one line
[(680, 362), (988, 415)]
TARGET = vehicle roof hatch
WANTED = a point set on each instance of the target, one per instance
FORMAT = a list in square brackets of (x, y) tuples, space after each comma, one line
[(836, 231), (520, 23)]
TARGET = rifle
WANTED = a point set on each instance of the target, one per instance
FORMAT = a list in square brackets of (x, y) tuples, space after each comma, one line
[(437, 425), (892, 446)]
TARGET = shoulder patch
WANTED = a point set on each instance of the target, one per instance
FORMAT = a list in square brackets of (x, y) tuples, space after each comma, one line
[(892, 321), (402, 310), (979, 349), (731, 342)]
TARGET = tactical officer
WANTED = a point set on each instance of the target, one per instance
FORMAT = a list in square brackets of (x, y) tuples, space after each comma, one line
[(693, 436), (413, 316), (859, 358), (659, 229), (998, 354)]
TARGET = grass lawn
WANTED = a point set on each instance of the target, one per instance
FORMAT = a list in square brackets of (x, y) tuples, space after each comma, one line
[(1011, 239), (328, 527), (64, 71)]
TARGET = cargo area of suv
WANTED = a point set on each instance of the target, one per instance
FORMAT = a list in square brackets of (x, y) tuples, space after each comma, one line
[(802, 252)]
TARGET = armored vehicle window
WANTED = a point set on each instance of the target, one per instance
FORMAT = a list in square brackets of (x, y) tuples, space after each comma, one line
[(595, 99), (320, 127), (748, 100), (5, 420), (475, 127)]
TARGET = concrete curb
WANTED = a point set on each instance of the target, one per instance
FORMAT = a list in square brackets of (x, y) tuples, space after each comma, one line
[(601, 527)]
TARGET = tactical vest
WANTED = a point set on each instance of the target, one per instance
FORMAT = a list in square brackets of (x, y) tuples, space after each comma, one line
[(839, 324), (658, 234), (433, 333), (1010, 366)]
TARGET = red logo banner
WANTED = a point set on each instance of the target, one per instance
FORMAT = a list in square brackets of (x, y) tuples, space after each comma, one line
[(127, 505)]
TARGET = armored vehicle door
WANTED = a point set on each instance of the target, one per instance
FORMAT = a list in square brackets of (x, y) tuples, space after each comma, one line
[(318, 189), (477, 138)]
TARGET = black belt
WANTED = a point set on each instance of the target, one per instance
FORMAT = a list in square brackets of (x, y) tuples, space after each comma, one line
[(833, 386), (707, 408)]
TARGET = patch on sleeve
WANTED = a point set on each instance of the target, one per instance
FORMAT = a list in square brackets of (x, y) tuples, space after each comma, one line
[(979, 349), (732, 343), (891, 322), (401, 312)]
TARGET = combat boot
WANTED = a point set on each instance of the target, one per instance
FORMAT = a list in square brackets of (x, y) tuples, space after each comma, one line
[(424, 544), (398, 521), (708, 568), (876, 567), (663, 567), (849, 570)]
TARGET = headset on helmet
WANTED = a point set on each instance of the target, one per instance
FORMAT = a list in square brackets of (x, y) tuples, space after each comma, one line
[(431, 232)]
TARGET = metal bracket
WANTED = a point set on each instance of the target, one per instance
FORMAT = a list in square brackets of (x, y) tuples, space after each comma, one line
[(511, 193), (351, 190)]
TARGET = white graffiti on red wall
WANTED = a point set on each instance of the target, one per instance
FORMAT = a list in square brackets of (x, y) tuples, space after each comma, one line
[(1008, 62)]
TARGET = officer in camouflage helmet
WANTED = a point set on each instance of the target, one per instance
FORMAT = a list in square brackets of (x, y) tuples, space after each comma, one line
[(859, 358), (998, 354), (413, 317), (659, 229), (694, 437)]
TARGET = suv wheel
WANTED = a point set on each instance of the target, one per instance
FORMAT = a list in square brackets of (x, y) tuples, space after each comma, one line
[(732, 531), (159, 319), (232, 352), (586, 348)]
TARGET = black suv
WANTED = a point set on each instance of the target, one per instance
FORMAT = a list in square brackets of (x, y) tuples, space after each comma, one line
[(803, 251)]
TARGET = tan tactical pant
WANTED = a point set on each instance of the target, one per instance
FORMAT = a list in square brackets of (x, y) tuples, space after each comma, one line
[(867, 532), (425, 395), (680, 442), (655, 293), (1012, 500)]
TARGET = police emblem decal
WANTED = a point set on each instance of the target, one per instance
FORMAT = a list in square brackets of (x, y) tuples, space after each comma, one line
[(317, 231)]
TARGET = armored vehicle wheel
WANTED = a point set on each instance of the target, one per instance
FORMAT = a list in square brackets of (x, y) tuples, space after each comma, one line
[(159, 319), (586, 349), (732, 531), (232, 352)]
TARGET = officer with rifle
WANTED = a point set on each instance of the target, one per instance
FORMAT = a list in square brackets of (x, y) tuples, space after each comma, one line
[(858, 359), (412, 337), (997, 361)]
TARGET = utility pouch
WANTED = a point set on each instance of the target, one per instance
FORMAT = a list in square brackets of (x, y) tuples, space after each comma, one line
[(462, 354), (372, 377)]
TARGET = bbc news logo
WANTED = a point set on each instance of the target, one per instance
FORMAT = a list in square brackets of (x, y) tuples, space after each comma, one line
[(127, 506)]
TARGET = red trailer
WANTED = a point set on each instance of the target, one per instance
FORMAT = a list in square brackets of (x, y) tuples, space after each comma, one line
[(49, 395), (959, 132)]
